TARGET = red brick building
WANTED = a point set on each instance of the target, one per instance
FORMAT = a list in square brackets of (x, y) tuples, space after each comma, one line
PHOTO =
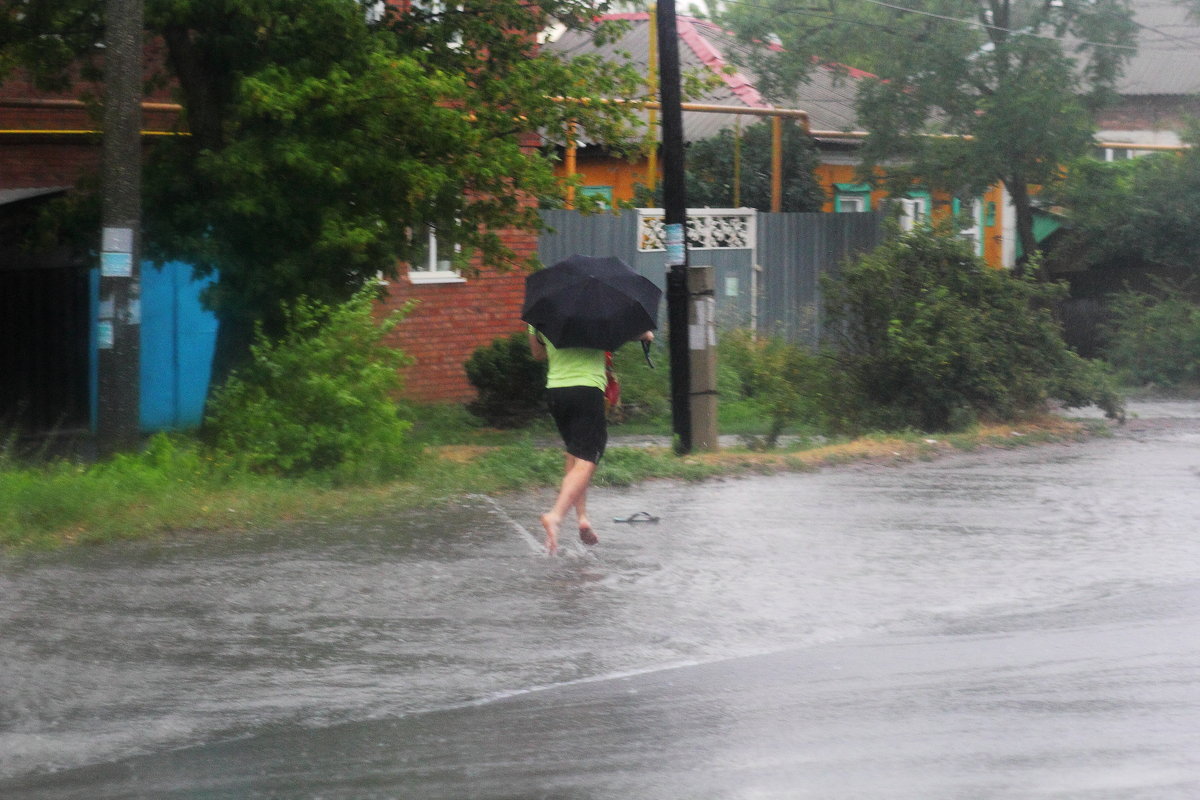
[(453, 316)]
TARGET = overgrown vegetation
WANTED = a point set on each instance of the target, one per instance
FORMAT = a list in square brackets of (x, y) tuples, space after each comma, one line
[(318, 400), (925, 335), (927, 338), (1154, 337), (509, 382), (1138, 211), (733, 167), (783, 382)]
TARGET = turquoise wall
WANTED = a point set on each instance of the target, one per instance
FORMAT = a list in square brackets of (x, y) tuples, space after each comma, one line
[(177, 340)]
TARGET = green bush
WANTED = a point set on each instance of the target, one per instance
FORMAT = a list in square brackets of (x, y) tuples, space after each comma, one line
[(319, 400), (1154, 338), (510, 382), (645, 392), (927, 336), (783, 380)]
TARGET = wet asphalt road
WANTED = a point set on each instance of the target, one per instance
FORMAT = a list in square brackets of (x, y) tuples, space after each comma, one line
[(1017, 624)]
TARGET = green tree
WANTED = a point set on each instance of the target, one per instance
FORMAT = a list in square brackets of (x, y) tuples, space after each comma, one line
[(325, 139), (967, 93), (1138, 211), (711, 170)]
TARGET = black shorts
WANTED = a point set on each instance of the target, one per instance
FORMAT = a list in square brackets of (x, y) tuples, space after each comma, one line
[(579, 413)]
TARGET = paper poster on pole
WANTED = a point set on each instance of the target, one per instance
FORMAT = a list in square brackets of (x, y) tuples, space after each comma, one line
[(703, 332), (674, 242), (104, 334), (117, 240), (116, 265)]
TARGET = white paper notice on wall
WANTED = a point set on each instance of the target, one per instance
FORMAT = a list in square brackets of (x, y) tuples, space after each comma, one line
[(702, 333)]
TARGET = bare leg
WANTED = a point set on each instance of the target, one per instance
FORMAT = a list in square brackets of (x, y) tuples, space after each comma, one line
[(574, 486), (587, 534)]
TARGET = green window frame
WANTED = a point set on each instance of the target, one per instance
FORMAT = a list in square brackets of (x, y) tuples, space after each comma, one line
[(851, 197), (604, 194)]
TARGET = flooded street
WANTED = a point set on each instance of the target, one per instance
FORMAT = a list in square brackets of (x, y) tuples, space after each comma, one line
[(1002, 624)]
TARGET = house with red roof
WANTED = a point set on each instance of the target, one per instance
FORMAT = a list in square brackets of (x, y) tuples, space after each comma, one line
[(828, 103)]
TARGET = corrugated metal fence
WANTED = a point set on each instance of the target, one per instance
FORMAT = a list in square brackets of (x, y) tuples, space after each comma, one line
[(794, 251), (772, 280)]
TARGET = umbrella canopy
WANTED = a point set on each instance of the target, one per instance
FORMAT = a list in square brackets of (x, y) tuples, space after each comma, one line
[(590, 301)]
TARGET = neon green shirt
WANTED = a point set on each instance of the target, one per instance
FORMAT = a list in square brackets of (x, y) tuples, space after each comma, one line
[(573, 366)]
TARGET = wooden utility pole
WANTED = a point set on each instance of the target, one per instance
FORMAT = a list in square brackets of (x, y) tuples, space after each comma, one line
[(675, 221), (118, 328)]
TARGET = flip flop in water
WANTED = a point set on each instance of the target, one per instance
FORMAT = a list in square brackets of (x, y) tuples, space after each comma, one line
[(641, 516)]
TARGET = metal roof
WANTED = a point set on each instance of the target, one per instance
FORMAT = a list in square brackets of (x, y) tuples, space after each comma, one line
[(828, 97), (1167, 63), (1168, 57), (17, 195)]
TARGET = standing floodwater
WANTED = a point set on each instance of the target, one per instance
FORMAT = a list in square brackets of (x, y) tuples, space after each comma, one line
[(1003, 624)]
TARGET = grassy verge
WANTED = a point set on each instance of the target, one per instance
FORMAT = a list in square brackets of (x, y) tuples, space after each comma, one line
[(172, 487)]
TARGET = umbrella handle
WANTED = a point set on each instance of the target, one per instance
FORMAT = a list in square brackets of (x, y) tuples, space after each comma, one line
[(646, 353)]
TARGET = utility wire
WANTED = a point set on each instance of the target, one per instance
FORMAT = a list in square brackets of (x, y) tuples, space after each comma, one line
[(799, 11)]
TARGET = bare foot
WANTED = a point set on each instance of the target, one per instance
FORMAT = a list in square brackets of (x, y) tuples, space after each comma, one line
[(587, 534), (551, 526)]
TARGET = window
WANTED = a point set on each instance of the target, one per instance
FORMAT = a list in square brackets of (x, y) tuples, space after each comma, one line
[(374, 10), (970, 216), (851, 197), (442, 12), (434, 260), (913, 209), (603, 195)]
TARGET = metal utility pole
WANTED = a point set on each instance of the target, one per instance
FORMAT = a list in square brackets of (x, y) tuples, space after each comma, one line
[(675, 219), (118, 319)]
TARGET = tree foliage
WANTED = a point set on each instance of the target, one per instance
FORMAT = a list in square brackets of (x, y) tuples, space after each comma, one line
[(1154, 337), (712, 167), (323, 142), (967, 93), (1137, 211), (927, 336)]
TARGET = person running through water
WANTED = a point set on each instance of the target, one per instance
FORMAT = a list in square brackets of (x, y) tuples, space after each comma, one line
[(575, 382)]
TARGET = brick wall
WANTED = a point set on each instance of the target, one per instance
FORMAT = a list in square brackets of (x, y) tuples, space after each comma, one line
[(1148, 113), (451, 320), (45, 139)]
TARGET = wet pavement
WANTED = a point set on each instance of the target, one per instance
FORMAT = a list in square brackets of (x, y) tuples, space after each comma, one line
[(1004, 624)]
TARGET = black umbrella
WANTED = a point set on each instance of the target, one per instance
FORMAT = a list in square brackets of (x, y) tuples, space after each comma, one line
[(590, 301)]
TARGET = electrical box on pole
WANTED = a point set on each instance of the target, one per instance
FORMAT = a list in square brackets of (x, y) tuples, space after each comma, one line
[(675, 222), (118, 315)]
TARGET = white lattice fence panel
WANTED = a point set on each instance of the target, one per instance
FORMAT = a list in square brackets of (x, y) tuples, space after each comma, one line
[(707, 229)]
